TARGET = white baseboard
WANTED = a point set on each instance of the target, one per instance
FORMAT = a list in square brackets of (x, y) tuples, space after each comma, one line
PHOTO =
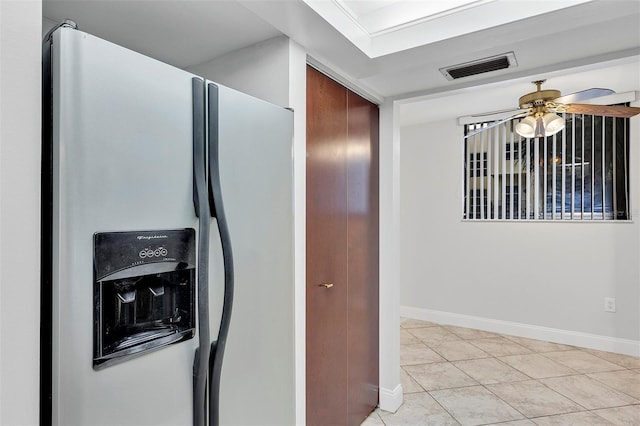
[(390, 399), (566, 337)]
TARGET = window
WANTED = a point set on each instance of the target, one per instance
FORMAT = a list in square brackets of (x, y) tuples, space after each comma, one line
[(479, 202), (581, 173), (478, 164)]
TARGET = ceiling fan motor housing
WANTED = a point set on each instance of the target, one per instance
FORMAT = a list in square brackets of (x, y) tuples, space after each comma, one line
[(538, 98)]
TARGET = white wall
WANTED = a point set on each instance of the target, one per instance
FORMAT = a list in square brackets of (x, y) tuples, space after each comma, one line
[(541, 280), (20, 49), (261, 70), (47, 25)]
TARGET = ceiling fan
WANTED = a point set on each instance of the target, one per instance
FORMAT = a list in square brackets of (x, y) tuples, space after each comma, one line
[(539, 110)]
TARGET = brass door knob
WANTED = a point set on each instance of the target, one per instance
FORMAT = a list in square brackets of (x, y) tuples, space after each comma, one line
[(326, 285)]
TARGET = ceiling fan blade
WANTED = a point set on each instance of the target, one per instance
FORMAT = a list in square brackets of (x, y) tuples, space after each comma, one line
[(496, 123), (490, 116), (583, 95), (608, 111), (502, 112)]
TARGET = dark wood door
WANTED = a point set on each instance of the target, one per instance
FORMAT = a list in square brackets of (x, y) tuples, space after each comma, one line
[(342, 254), (326, 251)]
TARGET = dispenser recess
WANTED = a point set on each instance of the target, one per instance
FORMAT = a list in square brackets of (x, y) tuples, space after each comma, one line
[(144, 292)]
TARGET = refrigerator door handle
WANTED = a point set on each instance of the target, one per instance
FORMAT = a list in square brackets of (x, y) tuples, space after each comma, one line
[(201, 204), (217, 211)]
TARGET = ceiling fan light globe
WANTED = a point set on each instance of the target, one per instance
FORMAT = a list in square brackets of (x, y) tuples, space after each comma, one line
[(553, 123), (526, 128)]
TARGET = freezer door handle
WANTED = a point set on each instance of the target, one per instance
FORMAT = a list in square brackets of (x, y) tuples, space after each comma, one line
[(217, 211), (201, 204)]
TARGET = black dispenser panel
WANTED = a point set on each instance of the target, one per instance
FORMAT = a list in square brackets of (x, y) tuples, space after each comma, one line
[(144, 292)]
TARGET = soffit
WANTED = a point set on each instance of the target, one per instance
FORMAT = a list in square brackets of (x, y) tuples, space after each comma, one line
[(384, 27)]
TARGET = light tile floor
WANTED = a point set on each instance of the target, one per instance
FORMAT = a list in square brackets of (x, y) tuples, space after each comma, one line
[(461, 376)]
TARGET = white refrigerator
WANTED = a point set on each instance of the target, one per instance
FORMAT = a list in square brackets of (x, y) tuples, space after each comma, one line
[(167, 244)]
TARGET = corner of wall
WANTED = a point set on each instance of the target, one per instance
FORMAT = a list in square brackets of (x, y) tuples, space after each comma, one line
[(298, 102), (391, 399), (389, 258)]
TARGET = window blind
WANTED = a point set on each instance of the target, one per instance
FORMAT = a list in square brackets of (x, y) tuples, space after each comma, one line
[(580, 173)]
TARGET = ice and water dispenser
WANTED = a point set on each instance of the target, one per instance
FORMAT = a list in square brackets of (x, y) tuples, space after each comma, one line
[(144, 292)]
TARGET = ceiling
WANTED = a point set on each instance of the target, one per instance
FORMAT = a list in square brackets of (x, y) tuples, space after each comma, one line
[(551, 35)]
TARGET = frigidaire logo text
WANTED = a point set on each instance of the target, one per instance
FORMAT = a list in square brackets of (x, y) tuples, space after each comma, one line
[(148, 252), (151, 237)]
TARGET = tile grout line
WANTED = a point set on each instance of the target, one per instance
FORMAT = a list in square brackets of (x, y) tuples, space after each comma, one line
[(443, 407), (622, 369), (611, 387)]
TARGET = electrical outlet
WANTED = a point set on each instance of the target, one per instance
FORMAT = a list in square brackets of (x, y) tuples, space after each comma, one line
[(609, 304)]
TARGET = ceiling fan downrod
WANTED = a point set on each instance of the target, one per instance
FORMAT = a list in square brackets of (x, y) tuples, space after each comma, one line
[(539, 98)]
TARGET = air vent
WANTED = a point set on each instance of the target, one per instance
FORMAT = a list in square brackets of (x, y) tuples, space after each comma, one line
[(481, 66)]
